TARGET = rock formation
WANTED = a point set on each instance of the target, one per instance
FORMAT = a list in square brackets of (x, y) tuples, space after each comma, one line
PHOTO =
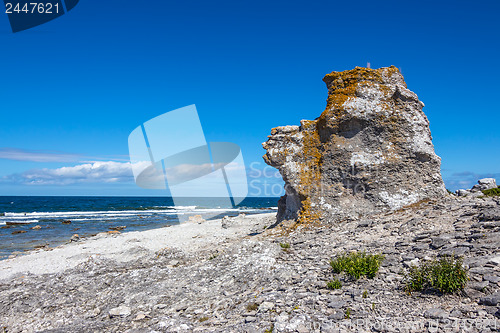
[(477, 190), (370, 150)]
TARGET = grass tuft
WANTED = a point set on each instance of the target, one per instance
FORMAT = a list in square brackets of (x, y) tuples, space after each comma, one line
[(492, 192), (335, 284), (347, 314), (357, 264), (285, 246), (446, 275), (252, 307)]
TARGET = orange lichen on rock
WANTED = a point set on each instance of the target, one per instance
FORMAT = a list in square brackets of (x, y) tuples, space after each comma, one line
[(369, 150)]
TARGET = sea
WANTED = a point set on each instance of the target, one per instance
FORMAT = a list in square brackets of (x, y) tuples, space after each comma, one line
[(27, 223)]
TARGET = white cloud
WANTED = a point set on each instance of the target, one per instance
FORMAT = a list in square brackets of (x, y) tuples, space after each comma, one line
[(466, 179), (93, 172), (114, 172), (36, 155)]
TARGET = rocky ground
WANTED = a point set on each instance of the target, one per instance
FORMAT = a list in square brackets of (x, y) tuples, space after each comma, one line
[(253, 285)]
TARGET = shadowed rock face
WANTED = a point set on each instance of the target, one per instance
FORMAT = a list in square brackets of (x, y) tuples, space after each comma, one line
[(370, 150)]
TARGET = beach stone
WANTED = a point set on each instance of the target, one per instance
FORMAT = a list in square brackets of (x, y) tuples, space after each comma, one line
[(66, 222), (121, 311), (113, 232), (495, 261), (454, 251), (364, 223), (436, 313), (336, 304), (490, 214), (141, 315), (75, 238), (491, 278), (19, 232), (118, 228), (235, 221), (196, 219), (491, 300), (37, 227), (369, 151), (480, 285), (337, 316), (438, 242), (484, 184), (266, 306)]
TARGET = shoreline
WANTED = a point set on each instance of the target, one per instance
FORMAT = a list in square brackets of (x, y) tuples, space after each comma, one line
[(188, 237), (239, 275)]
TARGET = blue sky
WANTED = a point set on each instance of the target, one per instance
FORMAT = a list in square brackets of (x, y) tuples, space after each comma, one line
[(73, 89)]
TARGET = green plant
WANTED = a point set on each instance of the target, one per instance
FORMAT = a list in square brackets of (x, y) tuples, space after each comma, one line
[(213, 256), (365, 294), (347, 314), (373, 306), (285, 246), (446, 275), (449, 192), (270, 329), (335, 284), (252, 307), (202, 319), (357, 264), (492, 192)]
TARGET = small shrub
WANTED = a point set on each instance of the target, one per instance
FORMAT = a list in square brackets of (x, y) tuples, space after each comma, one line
[(252, 307), (335, 284), (285, 246), (347, 314), (446, 275), (202, 319), (357, 264), (492, 192), (213, 256), (449, 192), (365, 294)]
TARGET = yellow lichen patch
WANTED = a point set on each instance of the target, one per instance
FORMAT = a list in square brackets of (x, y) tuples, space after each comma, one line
[(308, 214), (343, 85), (416, 205), (310, 171)]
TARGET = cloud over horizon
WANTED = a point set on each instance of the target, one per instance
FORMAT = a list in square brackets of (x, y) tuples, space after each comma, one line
[(17, 154), (108, 172), (466, 179), (92, 172)]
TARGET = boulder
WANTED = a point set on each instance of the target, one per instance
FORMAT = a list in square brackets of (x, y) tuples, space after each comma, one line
[(234, 221), (121, 311), (370, 150), (462, 193), (484, 184), (196, 219)]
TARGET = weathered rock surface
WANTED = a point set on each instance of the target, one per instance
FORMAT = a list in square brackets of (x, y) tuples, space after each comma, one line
[(476, 190), (253, 285), (370, 150)]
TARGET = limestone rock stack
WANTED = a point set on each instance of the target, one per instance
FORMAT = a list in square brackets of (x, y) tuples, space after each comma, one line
[(370, 150)]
